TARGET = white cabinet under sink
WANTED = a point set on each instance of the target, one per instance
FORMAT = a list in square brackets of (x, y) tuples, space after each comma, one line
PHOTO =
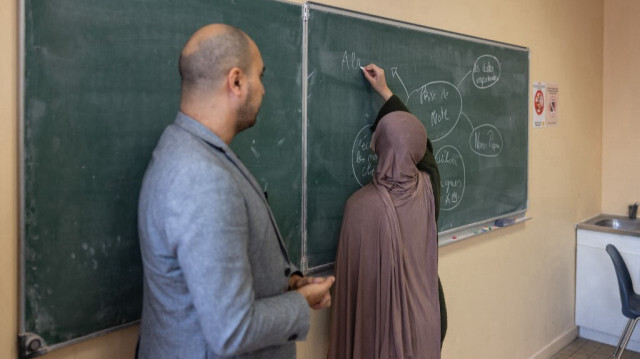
[(598, 310)]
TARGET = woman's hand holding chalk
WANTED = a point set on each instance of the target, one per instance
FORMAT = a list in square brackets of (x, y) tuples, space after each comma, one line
[(371, 72), (375, 76)]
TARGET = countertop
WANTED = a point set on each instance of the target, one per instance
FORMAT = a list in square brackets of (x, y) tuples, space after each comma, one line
[(590, 224)]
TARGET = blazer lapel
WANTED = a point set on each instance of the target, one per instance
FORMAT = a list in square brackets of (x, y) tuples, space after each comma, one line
[(199, 130)]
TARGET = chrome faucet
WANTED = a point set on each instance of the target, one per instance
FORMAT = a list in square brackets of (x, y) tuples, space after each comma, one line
[(633, 210)]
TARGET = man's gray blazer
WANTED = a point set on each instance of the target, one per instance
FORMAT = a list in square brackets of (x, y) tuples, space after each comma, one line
[(216, 271)]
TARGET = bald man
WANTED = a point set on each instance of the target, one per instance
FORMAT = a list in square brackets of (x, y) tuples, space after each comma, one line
[(217, 278)]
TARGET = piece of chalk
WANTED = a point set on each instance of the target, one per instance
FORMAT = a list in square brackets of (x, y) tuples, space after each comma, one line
[(362, 68)]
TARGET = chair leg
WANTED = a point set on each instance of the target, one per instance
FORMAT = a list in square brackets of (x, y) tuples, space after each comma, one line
[(622, 336), (625, 337)]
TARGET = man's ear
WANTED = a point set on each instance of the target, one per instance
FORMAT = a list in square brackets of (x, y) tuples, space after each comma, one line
[(235, 81)]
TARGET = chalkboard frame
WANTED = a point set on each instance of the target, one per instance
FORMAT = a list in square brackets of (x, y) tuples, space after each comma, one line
[(448, 236), (29, 340), (32, 344)]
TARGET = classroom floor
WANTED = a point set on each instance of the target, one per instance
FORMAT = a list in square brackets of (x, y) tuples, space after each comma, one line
[(586, 349)]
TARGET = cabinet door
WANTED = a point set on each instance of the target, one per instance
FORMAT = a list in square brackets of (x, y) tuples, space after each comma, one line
[(597, 295)]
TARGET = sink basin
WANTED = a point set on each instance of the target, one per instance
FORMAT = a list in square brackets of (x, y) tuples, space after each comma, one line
[(611, 223), (622, 224)]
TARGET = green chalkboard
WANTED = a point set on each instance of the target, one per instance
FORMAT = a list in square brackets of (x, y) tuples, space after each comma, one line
[(100, 84), (470, 93)]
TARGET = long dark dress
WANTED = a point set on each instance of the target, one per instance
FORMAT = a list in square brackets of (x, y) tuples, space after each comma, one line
[(427, 164), (386, 302)]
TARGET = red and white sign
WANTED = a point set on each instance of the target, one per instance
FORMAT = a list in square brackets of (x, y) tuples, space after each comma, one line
[(539, 103)]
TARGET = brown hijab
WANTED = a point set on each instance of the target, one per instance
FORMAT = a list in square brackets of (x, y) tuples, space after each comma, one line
[(386, 293)]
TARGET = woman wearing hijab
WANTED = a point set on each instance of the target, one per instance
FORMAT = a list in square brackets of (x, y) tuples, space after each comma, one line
[(386, 302)]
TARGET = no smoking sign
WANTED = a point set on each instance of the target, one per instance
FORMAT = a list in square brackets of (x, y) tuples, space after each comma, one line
[(545, 104)]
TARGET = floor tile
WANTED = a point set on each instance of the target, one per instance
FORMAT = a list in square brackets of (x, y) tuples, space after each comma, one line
[(586, 349)]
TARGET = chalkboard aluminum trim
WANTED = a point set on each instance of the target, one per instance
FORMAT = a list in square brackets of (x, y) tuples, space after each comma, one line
[(479, 230), (25, 353), (469, 226), (327, 269), (408, 25), (323, 269), (21, 158), (304, 262), (464, 232)]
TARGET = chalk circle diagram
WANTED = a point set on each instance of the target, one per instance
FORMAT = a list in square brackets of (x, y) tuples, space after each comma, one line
[(452, 176), (486, 71), (363, 159), (485, 140), (439, 105)]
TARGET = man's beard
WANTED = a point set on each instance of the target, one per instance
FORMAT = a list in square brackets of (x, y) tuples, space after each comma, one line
[(247, 115)]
